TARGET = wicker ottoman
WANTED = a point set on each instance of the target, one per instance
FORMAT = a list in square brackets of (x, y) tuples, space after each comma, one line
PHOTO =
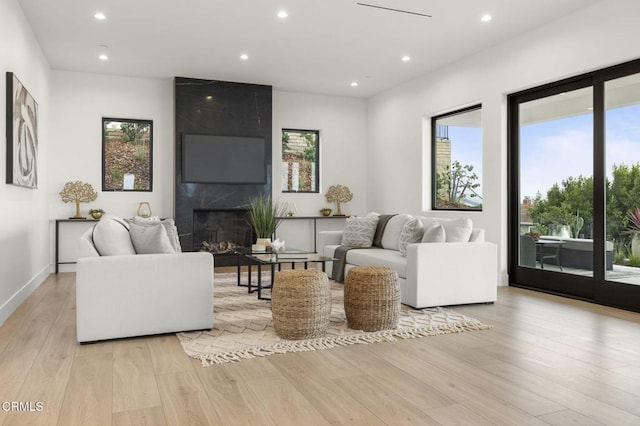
[(372, 298), (301, 304)]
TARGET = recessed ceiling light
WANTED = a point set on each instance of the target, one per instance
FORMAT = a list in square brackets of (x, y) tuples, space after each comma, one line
[(406, 58), (209, 97), (100, 16), (486, 18), (354, 84), (282, 14), (244, 56), (103, 57)]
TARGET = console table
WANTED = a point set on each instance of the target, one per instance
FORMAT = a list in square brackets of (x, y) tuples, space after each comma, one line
[(57, 236), (314, 220)]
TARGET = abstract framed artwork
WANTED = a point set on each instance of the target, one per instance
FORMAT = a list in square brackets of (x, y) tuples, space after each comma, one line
[(22, 135), (127, 154)]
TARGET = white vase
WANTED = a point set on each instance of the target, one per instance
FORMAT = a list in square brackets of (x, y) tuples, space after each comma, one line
[(635, 244), (264, 241)]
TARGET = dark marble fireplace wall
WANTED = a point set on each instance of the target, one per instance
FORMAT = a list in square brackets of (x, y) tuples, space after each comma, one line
[(221, 108)]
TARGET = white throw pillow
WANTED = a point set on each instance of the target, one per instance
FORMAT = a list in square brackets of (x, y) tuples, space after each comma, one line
[(359, 231), (434, 234), (172, 233), (111, 237), (150, 239), (458, 230), (169, 226), (411, 233), (428, 222), (391, 237), (139, 220)]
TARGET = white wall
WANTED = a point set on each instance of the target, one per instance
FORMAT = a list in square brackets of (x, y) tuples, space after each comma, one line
[(399, 133), (78, 103), (24, 226), (343, 136), (80, 100)]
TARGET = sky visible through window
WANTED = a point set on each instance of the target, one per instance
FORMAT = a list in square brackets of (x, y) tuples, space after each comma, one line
[(466, 147), (552, 151)]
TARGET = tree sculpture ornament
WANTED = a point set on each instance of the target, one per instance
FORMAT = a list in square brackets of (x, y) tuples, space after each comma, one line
[(78, 192), (338, 194)]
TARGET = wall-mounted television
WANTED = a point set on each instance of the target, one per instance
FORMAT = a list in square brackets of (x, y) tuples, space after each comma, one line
[(223, 159)]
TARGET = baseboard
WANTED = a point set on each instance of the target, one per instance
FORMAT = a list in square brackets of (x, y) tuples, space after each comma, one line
[(504, 280), (10, 306)]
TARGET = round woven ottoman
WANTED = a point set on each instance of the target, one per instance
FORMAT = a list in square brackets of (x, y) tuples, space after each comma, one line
[(372, 298), (301, 304)]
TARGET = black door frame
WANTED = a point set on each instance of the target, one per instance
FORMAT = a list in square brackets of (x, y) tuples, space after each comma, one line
[(596, 288)]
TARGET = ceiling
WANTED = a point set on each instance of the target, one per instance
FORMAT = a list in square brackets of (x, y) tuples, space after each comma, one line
[(321, 47)]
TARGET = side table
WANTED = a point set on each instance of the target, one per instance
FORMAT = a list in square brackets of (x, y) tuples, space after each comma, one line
[(57, 238)]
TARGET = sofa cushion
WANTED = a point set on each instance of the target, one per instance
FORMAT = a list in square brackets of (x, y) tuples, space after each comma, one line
[(111, 237), (379, 257), (359, 231), (391, 236), (411, 233), (434, 234), (458, 230), (428, 222), (150, 239), (168, 224)]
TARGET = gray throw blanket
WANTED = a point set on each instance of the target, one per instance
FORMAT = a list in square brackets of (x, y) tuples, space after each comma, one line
[(337, 273), (382, 224)]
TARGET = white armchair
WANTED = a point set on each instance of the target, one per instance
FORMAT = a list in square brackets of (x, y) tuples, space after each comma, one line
[(141, 294)]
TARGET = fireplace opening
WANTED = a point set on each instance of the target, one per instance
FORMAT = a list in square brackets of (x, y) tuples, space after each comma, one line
[(220, 231)]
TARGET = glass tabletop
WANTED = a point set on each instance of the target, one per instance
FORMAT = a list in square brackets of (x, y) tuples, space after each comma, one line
[(279, 257), (247, 251)]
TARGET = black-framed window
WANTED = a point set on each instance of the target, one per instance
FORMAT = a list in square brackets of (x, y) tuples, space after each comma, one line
[(127, 154), (300, 160), (456, 152)]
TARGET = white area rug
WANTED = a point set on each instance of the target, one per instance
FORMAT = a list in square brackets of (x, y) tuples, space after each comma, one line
[(243, 326)]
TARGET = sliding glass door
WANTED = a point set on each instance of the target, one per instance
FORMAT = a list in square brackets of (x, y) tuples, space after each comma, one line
[(575, 187)]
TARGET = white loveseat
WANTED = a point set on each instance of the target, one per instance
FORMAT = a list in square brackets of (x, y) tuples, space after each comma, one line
[(432, 273), (124, 295)]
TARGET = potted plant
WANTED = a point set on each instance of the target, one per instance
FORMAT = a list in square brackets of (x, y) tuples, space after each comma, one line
[(264, 218), (634, 230), (96, 213), (325, 211)]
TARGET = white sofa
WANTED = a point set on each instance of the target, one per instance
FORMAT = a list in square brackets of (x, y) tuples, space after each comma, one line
[(141, 294), (432, 273)]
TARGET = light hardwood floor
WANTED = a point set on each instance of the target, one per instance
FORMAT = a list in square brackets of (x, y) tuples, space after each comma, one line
[(547, 360)]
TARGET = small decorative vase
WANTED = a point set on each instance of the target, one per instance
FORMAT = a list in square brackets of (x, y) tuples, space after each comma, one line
[(635, 244), (325, 212), (266, 242), (96, 215), (144, 209), (291, 209)]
